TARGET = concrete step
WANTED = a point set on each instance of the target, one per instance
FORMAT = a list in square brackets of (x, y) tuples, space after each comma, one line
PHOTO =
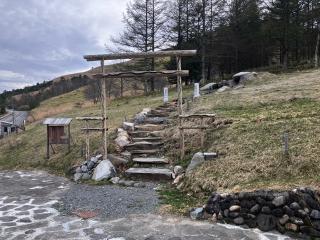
[(143, 134), (151, 160), (143, 146), (147, 139), (150, 173), (149, 127)]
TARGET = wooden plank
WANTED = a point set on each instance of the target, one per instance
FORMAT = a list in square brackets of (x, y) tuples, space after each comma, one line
[(134, 55), (143, 74)]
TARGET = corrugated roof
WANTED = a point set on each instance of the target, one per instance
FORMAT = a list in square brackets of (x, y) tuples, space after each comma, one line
[(57, 121), (14, 118)]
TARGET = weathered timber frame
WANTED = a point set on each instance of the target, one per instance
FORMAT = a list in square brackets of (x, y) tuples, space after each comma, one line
[(202, 128), (179, 73), (87, 131)]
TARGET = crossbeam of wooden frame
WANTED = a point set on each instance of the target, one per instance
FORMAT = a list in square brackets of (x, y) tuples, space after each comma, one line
[(143, 74), (134, 55), (179, 73)]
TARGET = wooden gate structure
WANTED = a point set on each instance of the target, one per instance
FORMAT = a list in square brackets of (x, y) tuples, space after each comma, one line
[(179, 73)]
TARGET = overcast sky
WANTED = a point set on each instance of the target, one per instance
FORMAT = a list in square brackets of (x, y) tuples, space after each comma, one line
[(43, 39)]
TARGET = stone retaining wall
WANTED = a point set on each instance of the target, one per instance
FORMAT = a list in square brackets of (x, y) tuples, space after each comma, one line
[(291, 211)]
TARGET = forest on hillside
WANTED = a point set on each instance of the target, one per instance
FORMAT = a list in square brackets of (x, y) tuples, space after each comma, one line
[(230, 35)]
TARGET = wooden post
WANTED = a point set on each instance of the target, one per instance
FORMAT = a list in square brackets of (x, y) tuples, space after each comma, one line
[(202, 133), (87, 141), (69, 138), (104, 113), (48, 143), (180, 110)]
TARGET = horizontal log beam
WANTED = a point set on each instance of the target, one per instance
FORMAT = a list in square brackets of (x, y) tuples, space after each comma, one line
[(143, 74), (198, 116), (177, 53), (92, 129), (197, 127), (89, 118)]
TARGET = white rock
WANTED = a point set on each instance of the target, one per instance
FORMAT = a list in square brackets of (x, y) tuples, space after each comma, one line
[(197, 159), (115, 180), (223, 89), (104, 170), (128, 126)]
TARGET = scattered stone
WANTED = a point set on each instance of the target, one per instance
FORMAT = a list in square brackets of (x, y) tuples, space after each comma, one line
[(139, 185), (291, 227), (295, 206), (266, 222), (77, 177), (104, 170), (78, 170), (279, 201), (234, 214), (91, 165), (266, 210), (115, 180), (255, 209), (178, 170), (197, 214), (238, 221), (223, 89), (234, 208), (84, 168), (315, 214), (178, 179), (86, 176)]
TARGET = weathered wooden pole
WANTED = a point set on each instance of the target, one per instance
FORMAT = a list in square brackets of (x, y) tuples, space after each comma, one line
[(180, 109), (48, 143), (87, 141), (104, 113)]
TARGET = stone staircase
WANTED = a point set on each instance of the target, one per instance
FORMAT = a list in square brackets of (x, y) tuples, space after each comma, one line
[(146, 148)]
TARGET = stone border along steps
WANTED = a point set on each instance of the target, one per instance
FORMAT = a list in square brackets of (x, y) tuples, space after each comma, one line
[(146, 146)]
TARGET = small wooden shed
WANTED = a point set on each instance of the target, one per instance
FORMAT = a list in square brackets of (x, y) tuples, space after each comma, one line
[(58, 132)]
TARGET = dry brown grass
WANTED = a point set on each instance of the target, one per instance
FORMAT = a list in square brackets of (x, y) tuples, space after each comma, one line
[(251, 149)]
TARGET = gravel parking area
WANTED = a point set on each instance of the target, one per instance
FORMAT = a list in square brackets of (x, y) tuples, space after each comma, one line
[(110, 201)]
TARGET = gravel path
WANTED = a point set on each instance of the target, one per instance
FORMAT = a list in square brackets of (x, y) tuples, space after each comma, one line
[(28, 202), (110, 201)]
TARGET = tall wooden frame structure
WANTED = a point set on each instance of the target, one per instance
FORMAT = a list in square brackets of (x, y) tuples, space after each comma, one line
[(179, 73)]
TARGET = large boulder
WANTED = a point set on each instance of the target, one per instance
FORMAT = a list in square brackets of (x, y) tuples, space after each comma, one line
[(242, 77), (223, 89), (104, 170), (197, 160), (209, 87)]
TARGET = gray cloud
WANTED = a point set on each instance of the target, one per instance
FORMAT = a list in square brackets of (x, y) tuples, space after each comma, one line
[(40, 40)]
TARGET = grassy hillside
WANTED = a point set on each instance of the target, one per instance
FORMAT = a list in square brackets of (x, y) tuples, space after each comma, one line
[(28, 149), (251, 149)]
